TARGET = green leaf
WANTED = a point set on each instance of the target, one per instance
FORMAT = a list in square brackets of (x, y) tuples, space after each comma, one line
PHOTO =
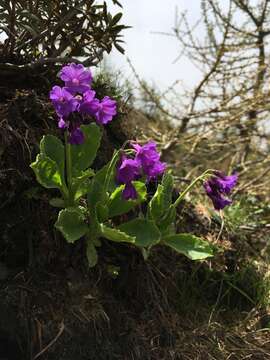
[(87, 174), (117, 28), (29, 29), (102, 212), (94, 228), (119, 47), (80, 184), (80, 188), (83, 155), (47, 172), (117, 3), (53, 148), (145, 232), (96, 191), (166, 223), (71, 224), (159, 206), (110, 183), (91, 254), (167, 183), (28, 14), (156, 205), (118, 205), (116, 19), (189, 245), (57, 202), (116, 235)]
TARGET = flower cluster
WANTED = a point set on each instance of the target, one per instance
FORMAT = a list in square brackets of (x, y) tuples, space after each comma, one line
[(78, 97), (218, 187), (146, 162)]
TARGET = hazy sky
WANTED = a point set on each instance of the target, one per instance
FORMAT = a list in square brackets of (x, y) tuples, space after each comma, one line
[(152, 54)]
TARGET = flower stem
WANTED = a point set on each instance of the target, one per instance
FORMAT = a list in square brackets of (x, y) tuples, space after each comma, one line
[(190, 186), (110, 168), (69, 170)]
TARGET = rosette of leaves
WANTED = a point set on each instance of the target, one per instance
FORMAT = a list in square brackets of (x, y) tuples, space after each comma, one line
[(90, 201), (51, 171), (49, 31), (158, 226)]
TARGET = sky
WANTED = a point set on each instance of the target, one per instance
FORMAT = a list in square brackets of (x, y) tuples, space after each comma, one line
[(153, 55)]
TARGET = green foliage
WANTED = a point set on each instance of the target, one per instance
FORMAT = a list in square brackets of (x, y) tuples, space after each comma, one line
[(160, 208), (49, 166), (56, 29), (249, 286), (156, 206), (68, 169), (189, 245), (82, 156), (168, 185), (71, 223), (145, 232), (162, 199), (80, 184), (116, 235), (216, 291), (57, 202), (249, 211), (47, 172), (96, 192), (167, 221), (53, 148), (118, 206)]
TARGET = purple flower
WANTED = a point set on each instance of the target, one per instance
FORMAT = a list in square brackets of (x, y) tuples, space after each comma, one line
[(129, 192), (77, 79), (63, 102), (127, 171), (149, 159), (226, 183), (105, 111), (157, 169), (62, 124), (76, 136), (89, 104), (218, 186)]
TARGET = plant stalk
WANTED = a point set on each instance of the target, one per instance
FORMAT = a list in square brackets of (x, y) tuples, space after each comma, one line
[(69, 170), (190, 186)]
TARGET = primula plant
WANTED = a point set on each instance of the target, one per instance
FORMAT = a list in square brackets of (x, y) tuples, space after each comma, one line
[(91, 202)]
